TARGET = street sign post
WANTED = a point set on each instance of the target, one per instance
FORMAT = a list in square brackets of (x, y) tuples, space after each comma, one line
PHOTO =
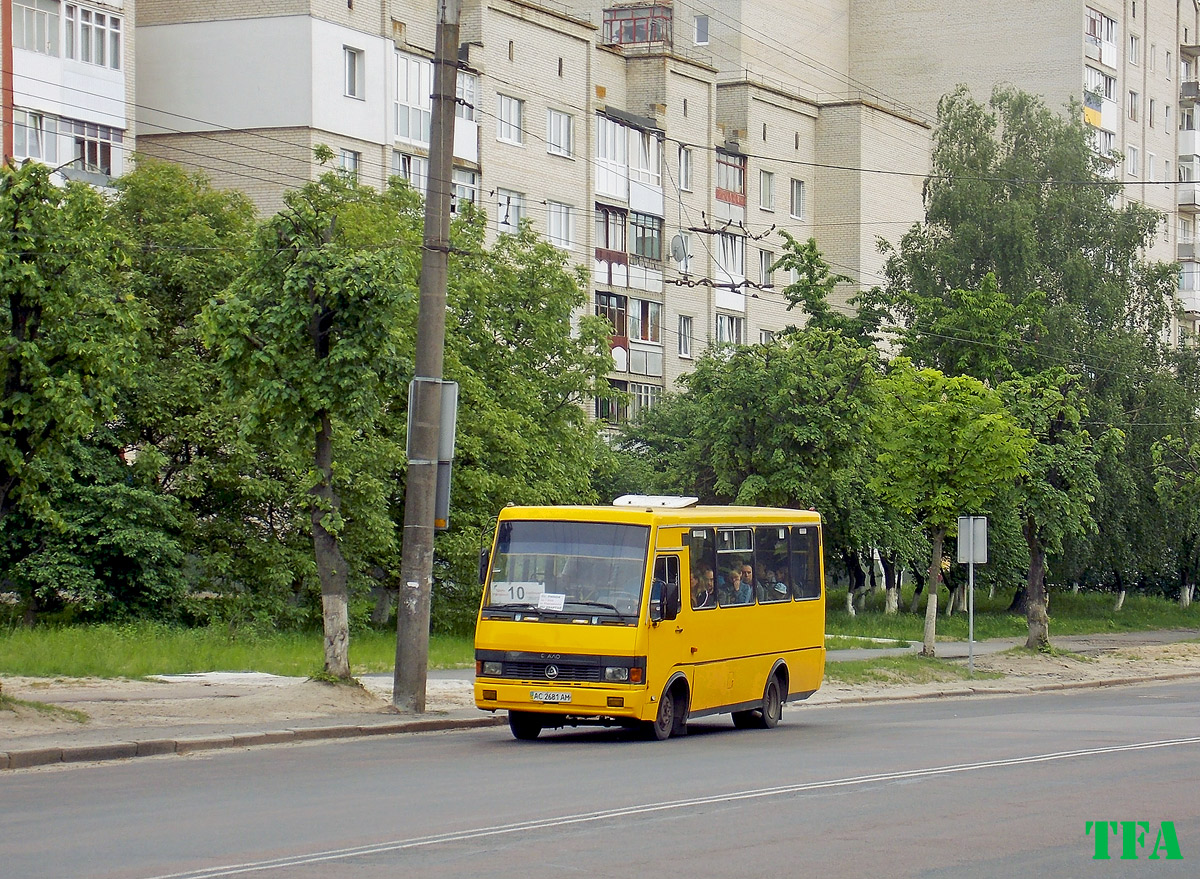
[(972, 551)]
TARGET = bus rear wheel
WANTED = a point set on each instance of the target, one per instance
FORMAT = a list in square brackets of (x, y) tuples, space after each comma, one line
[(525, 725)]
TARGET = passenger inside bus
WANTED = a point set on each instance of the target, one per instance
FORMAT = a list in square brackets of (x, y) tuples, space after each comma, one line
[(703, 594), (735, 589)]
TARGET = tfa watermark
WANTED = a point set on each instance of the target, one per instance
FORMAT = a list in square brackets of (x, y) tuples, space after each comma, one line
[(1134, 836)]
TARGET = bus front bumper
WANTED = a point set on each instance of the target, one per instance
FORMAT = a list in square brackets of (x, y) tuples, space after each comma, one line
[(577, 700)]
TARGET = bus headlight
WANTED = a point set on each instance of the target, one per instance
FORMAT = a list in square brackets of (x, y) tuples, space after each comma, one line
[(493, 669), (619, 674)]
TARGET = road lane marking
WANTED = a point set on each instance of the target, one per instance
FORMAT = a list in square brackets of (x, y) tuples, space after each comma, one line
[(648, 808)]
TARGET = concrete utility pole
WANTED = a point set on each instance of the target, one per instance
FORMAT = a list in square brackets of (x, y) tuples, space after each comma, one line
[(425, 406)]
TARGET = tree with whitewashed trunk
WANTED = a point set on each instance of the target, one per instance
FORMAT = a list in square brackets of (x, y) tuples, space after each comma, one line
[(947, 447)]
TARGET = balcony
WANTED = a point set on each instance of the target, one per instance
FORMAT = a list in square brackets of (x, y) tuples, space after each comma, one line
[(1186, 194), (1189, 91), (1188, 145), (1185, 251), (1190, 300)]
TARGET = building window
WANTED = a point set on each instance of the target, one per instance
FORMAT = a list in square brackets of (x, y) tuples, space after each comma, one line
[(685, 252), (348, 162), (644, 320), (612, 307), (613, 411), (729, 329), (1186, 230), (647, 236), (610, 231), (1105, 141), (1168, 68), (766, 190), (510, 208), (1135, 49), (1167, 170), (642, 397), (1134, 106), (464, 188), (414, 85), (1101, 28), (414, 169), (731, 178), (356, 74), (637, 24), (1150, 59), (766, 337), (560, 224), (701, 30), (730, 259), (92, 37), (685, 169), (645, 162), (560, 133), (508, 119), (1150, 112), (1133, 161), (35, 136), (685, 336), (35, 26), (766, 259), (1151, 166), (93, 145), (466, 93), (612, 172), (796, 208), (1099, 83)]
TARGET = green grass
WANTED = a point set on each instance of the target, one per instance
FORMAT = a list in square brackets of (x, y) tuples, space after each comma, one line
[(900, 670), (850, 642), (1084, 614), (8, 703), (142, 649)]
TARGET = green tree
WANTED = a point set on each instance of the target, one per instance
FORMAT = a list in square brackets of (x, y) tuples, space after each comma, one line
[(1056, 489), (67, 333), (947, 447), (313, 339)]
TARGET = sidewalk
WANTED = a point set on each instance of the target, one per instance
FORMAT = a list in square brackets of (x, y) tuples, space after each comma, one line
[(449, 705)]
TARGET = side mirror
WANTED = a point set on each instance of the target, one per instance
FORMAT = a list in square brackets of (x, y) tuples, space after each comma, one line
[(483, 565)]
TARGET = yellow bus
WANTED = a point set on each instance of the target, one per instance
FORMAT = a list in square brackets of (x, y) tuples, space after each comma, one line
[(649, 612)]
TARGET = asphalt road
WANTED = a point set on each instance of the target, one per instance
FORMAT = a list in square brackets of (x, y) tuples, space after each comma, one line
[(976, 787)]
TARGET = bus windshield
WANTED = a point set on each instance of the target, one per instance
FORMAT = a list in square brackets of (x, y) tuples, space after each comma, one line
[(578, 568)]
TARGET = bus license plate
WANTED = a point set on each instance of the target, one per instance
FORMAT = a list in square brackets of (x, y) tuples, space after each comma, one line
[(542, 696)]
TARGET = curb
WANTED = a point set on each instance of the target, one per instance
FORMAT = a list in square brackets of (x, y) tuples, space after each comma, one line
[(25, 759), (32, 757)]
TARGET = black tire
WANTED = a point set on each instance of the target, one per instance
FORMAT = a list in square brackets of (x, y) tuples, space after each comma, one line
[(669, 721), (524, 725), (772, 707)]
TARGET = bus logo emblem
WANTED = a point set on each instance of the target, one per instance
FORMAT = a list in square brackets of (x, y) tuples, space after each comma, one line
[(552, 671)]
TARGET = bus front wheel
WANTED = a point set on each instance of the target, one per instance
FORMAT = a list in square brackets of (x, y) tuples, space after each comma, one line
[(672, 716), (525, 725)]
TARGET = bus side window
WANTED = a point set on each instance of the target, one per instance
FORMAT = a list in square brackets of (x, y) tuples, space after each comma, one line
[(806, 562), (702, 550), (664, 588), (771, 563)]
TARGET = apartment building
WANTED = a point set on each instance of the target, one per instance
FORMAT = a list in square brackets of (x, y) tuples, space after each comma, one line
[(662, 166), (67, 79), (1131, 65)]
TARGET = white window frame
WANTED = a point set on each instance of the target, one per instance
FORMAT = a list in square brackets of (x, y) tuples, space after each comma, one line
[(700, 30), (35, 136), (645, 157), (1135, 49), (766, 259), (349, 161), (685, 169), (560, 224), (730, 329), (466, 93), (510, 114), (1133, 161), (560, 133), (89, 34), (730, 258), (464, 187), (510, 209), (1135, 106), (36, 25), (414, 103), (766, 190), (766, 337), (685, 264), (796, 205), (686, 329), (354, 73), (414, 169)]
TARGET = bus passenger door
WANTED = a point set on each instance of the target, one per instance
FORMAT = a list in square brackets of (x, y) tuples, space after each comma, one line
[(667, 652)]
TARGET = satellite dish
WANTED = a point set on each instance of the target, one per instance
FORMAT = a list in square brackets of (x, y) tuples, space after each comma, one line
[(678, 249)]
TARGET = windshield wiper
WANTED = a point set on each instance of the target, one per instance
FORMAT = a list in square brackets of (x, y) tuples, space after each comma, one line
[(596, 604)]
